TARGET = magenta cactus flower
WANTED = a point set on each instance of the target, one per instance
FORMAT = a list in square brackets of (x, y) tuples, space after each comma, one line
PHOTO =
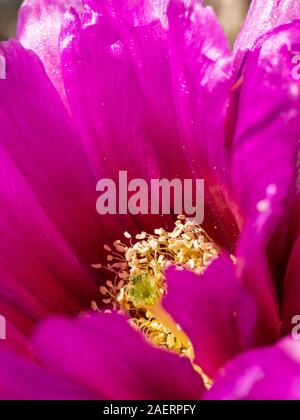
[(150, 87)]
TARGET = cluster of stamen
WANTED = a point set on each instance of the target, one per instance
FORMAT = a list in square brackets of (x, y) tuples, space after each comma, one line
[(136, 281)]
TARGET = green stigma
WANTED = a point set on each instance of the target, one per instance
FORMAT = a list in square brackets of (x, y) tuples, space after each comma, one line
[(143, 290)]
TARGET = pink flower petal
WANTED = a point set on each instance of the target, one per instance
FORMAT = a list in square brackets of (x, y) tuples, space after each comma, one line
[(266, 374), (264, 164), (50, 232), (133, 12), (40, 273), (122, 80), (39, 27), (200, 60), (107, 356), (291, 302), (21, 379), (262, 17), (214, 310), (37, 134)]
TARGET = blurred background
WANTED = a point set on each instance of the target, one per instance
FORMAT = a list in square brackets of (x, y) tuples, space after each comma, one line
[(8, 14), (231, 14)]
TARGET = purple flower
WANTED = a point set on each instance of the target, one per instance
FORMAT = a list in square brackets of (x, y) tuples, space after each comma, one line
[(150, 87)]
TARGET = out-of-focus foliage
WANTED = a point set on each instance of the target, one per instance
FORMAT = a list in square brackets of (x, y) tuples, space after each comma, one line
[(8, 13), (231, 14)]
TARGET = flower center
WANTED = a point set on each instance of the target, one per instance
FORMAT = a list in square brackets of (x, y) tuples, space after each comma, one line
[(137, 280)]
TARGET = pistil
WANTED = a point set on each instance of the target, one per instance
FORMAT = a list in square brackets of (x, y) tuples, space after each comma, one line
[(137, 282)]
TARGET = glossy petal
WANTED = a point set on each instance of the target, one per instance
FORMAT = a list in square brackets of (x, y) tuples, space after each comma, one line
[(201, 71), (201, 65), (121, 80), (267, 374), (39, 27), (102, 77), (21, 379), (262, 17), (214, 310), (268, 126), (265, 149), (132, 12), (89, 351)]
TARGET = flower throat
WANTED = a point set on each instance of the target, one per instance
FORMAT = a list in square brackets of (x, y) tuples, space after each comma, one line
[(137, 282)]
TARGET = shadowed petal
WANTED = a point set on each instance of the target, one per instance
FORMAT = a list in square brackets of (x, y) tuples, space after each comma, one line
[(21, 379), (50, 231), (41, 138), (109, 357), (40, 273), (267, 374), (15, 338), (214, 310), (36, 133)]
